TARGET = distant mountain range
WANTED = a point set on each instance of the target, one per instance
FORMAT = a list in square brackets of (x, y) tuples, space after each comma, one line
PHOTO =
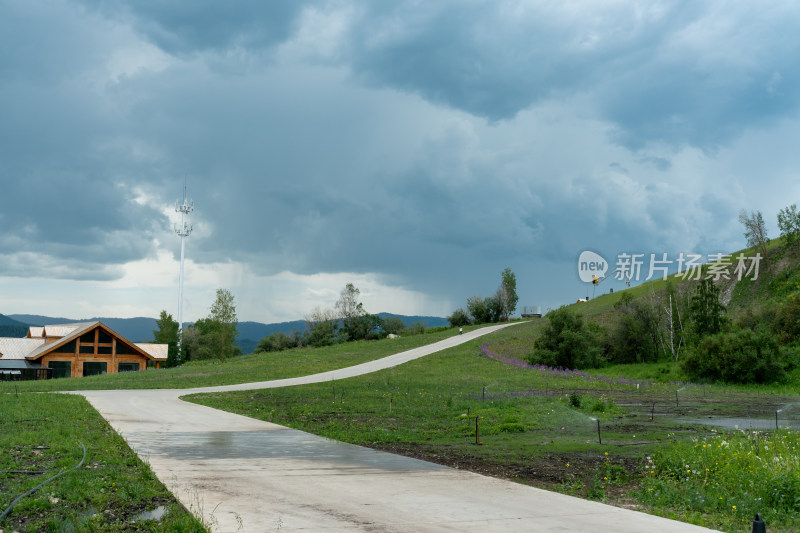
[(141, 329), (12, 328)]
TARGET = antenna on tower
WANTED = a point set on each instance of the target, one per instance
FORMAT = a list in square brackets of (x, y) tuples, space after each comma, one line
[(183, 230)]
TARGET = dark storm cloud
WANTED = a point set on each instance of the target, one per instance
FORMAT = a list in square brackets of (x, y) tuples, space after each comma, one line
[(682, 73), (432, 143), (191, 27), (62, 198)]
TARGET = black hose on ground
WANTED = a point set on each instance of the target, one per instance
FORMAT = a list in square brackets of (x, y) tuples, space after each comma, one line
[(40, 485)]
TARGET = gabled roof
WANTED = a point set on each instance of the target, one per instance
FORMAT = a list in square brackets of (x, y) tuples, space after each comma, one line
[(13, 348), (73, 331), (63, 330), (156, 351), (33, 347)]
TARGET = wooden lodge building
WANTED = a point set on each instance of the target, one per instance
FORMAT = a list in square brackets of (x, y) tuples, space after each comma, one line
[(75, 350)]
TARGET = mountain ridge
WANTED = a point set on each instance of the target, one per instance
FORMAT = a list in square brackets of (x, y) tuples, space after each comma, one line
[(140, 329)]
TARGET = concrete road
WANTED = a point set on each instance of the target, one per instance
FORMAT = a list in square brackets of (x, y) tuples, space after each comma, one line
[(243, 475)]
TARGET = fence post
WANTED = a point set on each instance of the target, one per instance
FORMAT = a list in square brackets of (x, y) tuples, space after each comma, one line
[(599, 440), (477, 431)]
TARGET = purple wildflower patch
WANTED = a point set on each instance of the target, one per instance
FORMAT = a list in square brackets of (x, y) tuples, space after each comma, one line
[(548, 371)]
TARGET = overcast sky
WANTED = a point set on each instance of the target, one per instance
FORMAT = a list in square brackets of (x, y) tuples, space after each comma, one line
[(415, 149)]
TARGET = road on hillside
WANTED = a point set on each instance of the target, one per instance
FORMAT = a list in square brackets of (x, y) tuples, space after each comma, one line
[(244, 475)]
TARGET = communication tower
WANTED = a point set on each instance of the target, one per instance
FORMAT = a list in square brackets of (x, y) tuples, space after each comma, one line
[(183, 229)]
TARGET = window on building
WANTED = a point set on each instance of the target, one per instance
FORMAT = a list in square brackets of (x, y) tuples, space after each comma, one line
[(88, 337), (94, 368), (61, 369), (67, 348), (103, 337), (104, 350), (124, 349), (128, 367)]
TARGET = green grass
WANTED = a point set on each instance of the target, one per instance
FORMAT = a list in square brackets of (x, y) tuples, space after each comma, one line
[(246, 369), (535, 427), (41, 432), (728, 479)]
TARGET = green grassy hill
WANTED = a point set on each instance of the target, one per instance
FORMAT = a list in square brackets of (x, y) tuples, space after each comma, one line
[(778, 278)]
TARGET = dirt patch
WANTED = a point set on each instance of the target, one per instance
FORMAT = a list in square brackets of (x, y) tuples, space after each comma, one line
[(586, 476)]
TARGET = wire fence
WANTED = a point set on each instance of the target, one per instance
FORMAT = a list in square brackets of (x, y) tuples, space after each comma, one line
[(631, 417)]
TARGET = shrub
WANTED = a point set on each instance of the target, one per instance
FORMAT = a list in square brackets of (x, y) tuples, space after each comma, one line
[(787, 319), (742, 356), (566, 342), (360, 327), (459, 318), (754, 318), (416, 328), (575, 400), (393, 325), (706, 312), (275, 342), (629, 341)]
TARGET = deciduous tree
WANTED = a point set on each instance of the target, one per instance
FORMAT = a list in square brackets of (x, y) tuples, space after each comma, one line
[(223, 315), (789, 224), (459, 318), (755, 230), (357, 324), (322, 326), (167, 333), (508, 293)]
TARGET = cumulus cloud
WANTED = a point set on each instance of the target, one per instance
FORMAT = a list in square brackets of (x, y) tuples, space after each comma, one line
[(417, 148)]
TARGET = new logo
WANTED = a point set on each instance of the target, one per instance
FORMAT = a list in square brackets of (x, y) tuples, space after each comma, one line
[(591, 266)]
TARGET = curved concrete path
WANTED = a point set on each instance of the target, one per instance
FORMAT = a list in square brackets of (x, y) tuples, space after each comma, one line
[(244, 475)]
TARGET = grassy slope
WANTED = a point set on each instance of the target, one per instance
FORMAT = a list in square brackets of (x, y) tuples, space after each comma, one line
[(746, 292), (530, 429), (533, 433), (41, 432), (246, 369)]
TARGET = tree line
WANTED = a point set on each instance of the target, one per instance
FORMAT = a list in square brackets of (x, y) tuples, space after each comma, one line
[(496, 308), (346, 321), (212, 337), (755, 229)]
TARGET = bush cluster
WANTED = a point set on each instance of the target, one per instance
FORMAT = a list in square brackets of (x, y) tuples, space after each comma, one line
[(279, 341), (742, 356), (567, 342)]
